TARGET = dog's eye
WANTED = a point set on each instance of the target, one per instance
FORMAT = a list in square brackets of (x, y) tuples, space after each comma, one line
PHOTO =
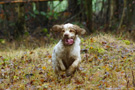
[(63, 31), (71, 30)]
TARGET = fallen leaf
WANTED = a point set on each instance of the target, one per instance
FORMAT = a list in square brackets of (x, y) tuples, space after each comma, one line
[(49, 56), (44, 68)]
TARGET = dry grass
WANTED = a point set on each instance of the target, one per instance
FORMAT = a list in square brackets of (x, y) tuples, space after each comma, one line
[(108, 63)]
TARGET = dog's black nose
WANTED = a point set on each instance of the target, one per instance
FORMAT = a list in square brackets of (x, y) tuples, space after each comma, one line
[(66, 35)]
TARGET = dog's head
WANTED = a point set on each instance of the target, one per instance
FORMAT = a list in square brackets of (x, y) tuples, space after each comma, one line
[(69, 32)]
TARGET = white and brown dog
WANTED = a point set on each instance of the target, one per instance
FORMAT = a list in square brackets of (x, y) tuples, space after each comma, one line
[(66, 54)]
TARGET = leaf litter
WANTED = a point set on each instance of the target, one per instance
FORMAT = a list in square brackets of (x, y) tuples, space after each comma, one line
[(108, 63)]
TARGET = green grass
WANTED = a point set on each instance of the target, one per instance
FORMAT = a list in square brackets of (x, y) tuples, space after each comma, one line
[(108, 63)]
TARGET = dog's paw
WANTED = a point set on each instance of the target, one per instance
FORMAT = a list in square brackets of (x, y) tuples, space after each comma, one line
[(70, 71)]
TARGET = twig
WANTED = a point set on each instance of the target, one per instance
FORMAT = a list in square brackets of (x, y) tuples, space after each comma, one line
[(73, 16), (133, 78), (132, 74), (126, 79)]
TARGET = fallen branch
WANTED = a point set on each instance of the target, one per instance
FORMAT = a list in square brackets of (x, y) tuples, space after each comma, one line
[(126, 76), (22, 1), (133, 78)]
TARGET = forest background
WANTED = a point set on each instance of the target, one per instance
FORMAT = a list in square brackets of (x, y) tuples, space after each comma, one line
[(36, 17)]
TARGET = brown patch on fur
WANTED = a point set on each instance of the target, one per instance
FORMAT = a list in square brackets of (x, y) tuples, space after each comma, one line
[(76, 29), (79, 31), (57, 28)]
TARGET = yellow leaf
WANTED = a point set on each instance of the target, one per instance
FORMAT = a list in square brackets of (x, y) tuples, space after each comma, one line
[(91, 47), (43, 67), (107, 69), (131, 89), (96, 56), (21, 85), (117, 70), (103, 67)]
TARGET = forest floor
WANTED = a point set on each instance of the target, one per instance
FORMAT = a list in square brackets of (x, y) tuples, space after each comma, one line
[(108, 63)]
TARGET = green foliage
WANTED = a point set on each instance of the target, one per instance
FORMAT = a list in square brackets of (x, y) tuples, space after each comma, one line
[(36, 12), (45, 30), (12, 24), (49, 14), (52, 15), (33, 15), (127, 42), (1, 20), (96, 5), (101, 50), (2, 41), (79, 24), (58, 6), (119, 38), (26, 33), (79, 2), (42, 13)]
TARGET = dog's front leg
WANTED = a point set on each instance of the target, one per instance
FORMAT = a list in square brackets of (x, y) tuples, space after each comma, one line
[(62, 65), (73, 67)]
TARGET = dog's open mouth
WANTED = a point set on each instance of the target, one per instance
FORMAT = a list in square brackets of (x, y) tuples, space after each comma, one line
[(69, 41)]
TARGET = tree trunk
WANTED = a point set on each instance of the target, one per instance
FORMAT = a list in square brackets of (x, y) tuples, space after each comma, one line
[(111, 13), (6, 19), (88, 5), (130, 9), (133, 18), (20, 23), (117, 11), (108, 13), (123, 15), (102, 9), (42, 7), (73, 6)]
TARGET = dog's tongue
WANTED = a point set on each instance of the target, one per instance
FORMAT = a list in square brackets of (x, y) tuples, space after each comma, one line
[(69, 41)]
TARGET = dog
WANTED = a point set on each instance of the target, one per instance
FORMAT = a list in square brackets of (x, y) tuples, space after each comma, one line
[(66, 54)]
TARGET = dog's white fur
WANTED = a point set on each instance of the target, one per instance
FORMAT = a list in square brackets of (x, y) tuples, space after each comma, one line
[(67, 58)]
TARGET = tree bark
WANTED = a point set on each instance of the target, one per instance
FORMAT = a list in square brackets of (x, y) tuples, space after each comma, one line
[(111, 13), (130, 9), (6, 19), (20, 23), (108, 13), (73, 6), (123, 15), (102, 9), (117, 11), (88, 5), (42, 7)]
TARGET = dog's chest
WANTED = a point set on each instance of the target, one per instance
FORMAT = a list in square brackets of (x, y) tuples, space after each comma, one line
[(68, 57)]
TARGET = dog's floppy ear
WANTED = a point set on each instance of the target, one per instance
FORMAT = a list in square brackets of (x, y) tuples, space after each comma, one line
[(57, 28), (79, 31)]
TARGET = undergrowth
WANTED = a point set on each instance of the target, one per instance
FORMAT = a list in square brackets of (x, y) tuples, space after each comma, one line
[(108, 63)]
